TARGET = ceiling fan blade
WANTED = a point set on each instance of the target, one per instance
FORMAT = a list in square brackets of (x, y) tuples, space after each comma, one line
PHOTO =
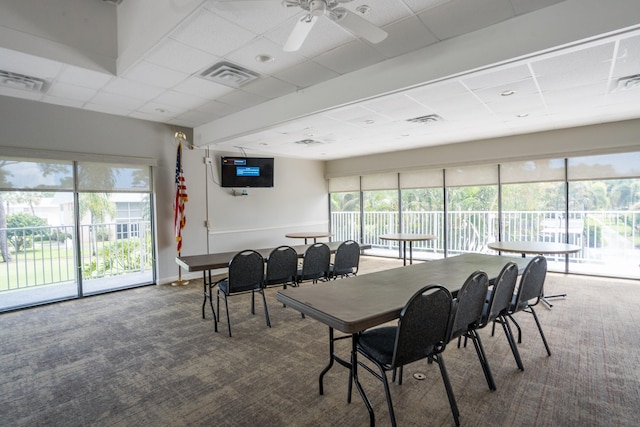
[(358, 25), (299, 33)]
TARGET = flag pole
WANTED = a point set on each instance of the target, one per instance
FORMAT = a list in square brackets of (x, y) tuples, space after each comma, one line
[(179, 218)]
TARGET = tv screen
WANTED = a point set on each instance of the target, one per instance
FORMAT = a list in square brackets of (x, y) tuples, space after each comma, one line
[(246, 171)]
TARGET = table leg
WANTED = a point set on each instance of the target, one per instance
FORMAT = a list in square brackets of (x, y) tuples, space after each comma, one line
[(411, 252), (354, 377), (330, 364), (404, 252)]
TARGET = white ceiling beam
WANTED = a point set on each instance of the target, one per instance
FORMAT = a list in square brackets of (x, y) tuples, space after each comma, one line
[(541, 31)]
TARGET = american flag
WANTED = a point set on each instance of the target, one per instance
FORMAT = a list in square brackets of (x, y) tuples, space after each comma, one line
[(179, 218)]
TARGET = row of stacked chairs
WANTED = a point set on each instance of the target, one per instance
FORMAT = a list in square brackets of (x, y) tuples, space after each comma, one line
[(250, 272), (433, 317)]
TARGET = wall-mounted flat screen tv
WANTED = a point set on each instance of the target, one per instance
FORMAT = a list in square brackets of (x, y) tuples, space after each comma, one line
[(246, 171)]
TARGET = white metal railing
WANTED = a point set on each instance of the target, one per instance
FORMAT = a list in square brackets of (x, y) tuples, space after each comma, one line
[(46, 255), (605, 236)]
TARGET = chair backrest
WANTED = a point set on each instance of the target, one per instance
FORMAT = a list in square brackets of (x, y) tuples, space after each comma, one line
[(469, 303), (282, 266), (532, 282), (246, 271), (315, 263), (347, 258), (501, 295), (423, 325)]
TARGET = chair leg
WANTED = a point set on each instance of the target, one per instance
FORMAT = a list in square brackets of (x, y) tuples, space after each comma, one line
[(517, 327), (266, 311), (512, 342), (253, 302), (482, 356), (387, 393), (215, 318), (447, 385), (226, 307), (544, 340)]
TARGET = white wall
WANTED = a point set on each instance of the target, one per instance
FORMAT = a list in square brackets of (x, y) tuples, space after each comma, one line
[(298, 201)]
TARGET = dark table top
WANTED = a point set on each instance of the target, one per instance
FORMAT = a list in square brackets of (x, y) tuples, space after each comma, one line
[(357, 303), (221, 260)]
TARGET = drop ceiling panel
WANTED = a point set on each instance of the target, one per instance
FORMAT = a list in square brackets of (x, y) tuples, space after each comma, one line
[(460, 16), (282, 60), (155, 75), (306, 74), (202, 88), (132, 89), (269, 87), (180, 57), (405, 36), (627, 60), (204, 27), (349, 57)]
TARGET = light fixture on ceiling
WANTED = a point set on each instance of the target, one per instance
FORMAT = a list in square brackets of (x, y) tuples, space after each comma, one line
[(430, 118), (308, 142), (507, 93), (369, 122), (521, 115), (116, 2), (629, 82), (264, 58)]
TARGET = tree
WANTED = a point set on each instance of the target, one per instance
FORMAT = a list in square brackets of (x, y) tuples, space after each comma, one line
[(22, 229)]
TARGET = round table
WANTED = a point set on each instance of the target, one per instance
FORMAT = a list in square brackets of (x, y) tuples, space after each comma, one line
[(407, 237), (537, 248), (308, 235)]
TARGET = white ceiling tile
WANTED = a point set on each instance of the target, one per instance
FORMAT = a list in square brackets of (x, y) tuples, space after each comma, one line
[(269, 87), (116, 101), (382, 12), (526, 6), (349, 57), (418, 6), (132, 89), (217, 108), (211, 33), (203, 88), (255, 16), (83, 77), (461, 16), (246, 57), (180, 57), (71, 92), (497, 77), (405, 36), (155, 75), (240, 98), (306, 74), (63, 101), (178, 99), (18, 62), (108, 109), (628, 60)]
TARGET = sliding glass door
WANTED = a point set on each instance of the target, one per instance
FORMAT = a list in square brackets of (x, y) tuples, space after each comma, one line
[(69, 229)]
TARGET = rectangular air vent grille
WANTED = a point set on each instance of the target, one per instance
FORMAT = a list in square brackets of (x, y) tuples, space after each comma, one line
[(21, 82), (431, 118), (229, 74)]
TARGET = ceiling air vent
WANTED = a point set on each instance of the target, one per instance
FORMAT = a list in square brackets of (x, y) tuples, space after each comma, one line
[(308, 142), (629, 82), (229, 74), (431, 118), (21, 82)]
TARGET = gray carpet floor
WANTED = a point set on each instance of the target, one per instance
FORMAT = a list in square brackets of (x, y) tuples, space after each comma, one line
[(145, 357)]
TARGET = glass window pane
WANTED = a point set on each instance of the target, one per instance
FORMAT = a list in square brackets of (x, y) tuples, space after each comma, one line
[(532, 171), (472, 218), (609, 215), (345, 216), (423, 213), (625, 165), (26, 174), (380, 216), (109, 177)]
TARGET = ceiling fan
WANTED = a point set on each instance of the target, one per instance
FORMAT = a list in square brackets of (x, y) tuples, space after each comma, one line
[(316, 9)]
